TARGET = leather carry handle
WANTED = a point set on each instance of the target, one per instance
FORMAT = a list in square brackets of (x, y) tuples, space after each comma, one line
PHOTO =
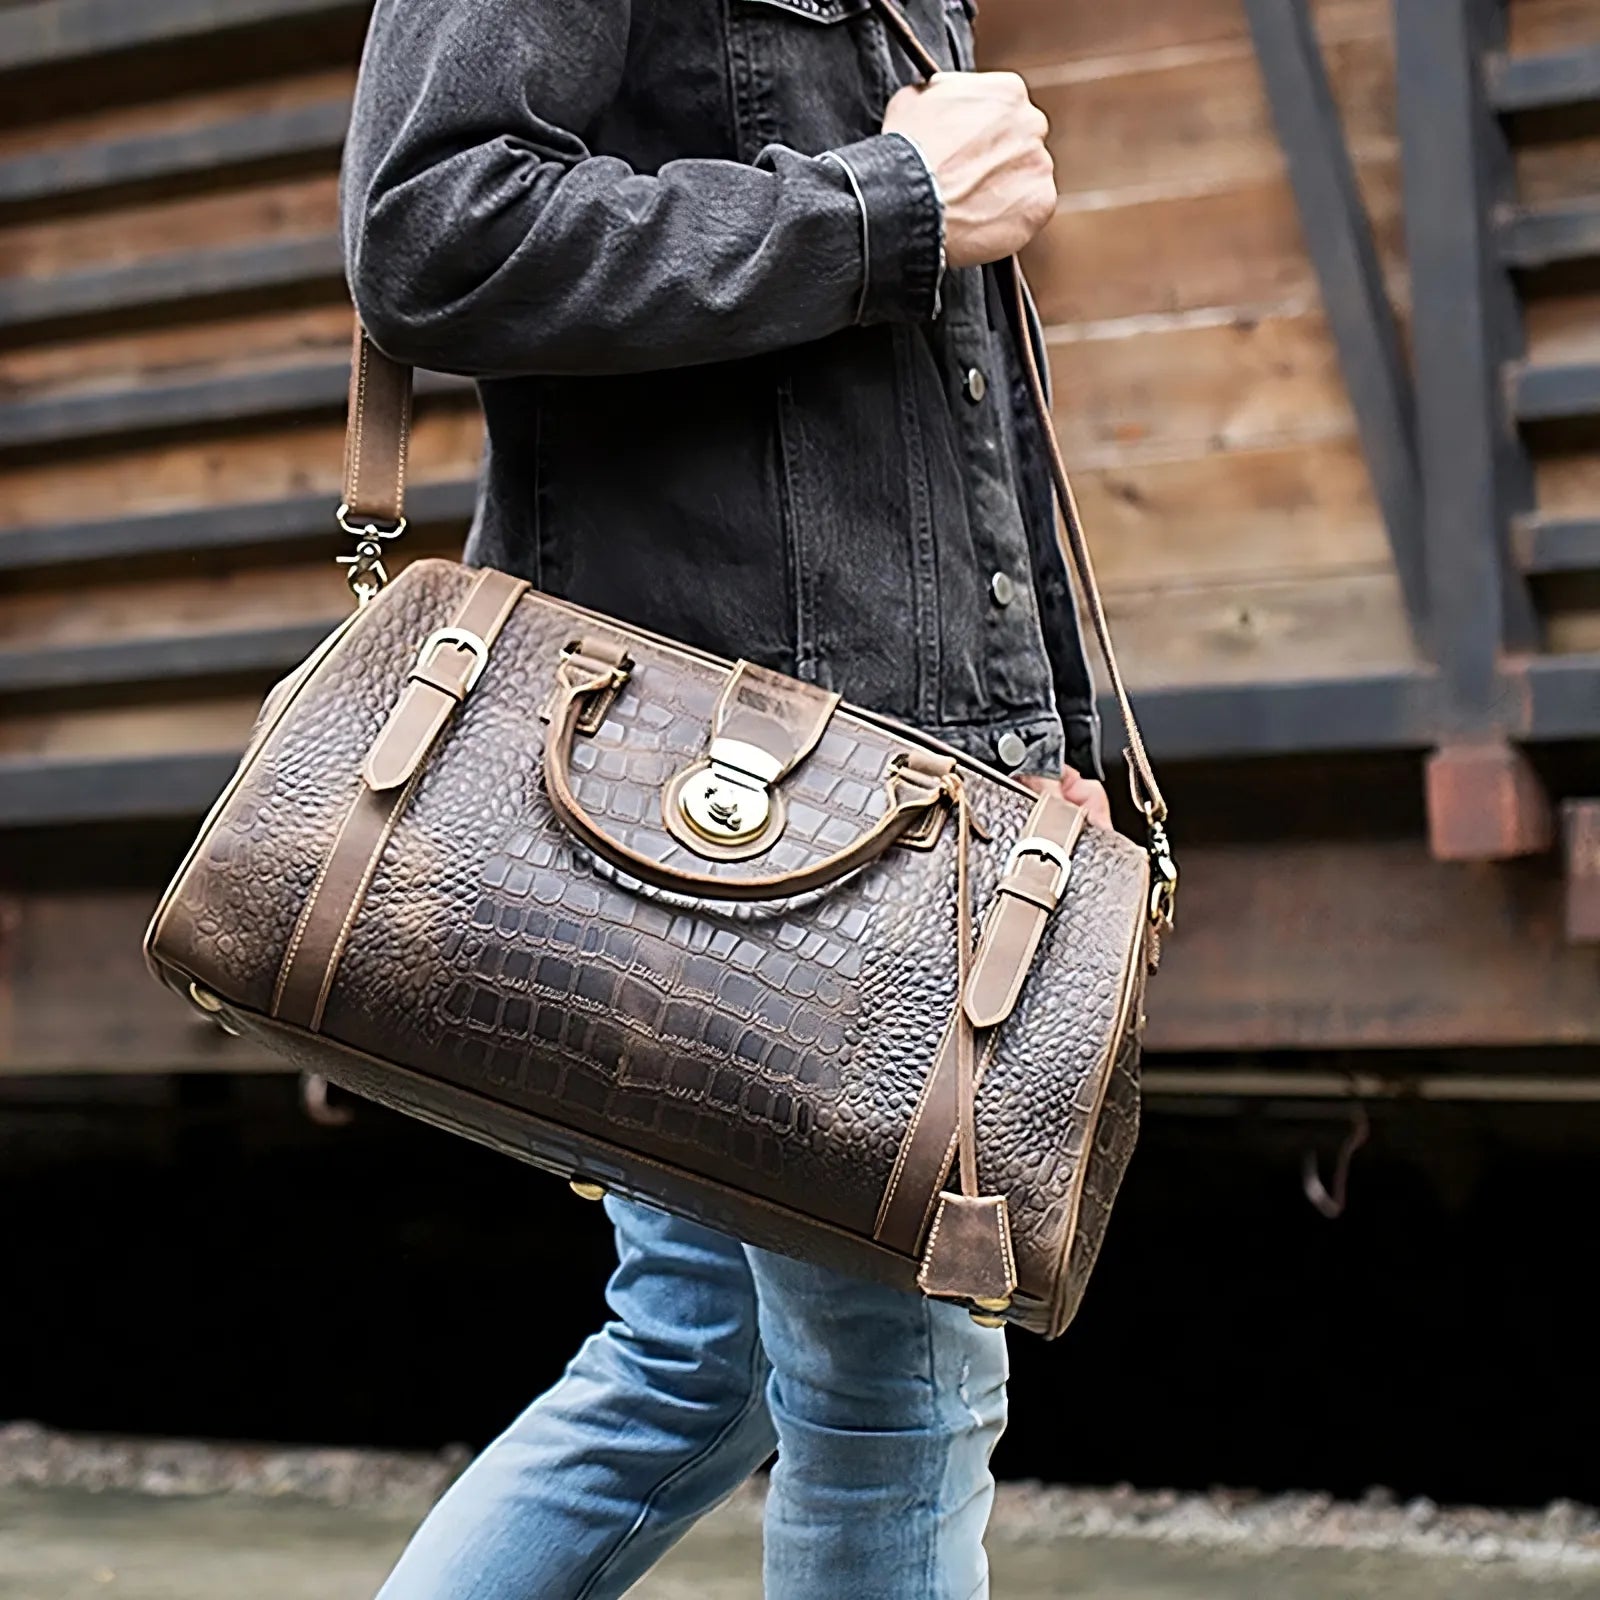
[(914, 792), (380, 424)]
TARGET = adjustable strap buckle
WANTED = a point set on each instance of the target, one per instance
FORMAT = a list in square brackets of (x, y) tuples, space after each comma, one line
[(460, 639), (1034, 844)]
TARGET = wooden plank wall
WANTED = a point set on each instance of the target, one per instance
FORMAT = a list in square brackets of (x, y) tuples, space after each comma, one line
[(1197, 385), (173, 330), (173, 339)]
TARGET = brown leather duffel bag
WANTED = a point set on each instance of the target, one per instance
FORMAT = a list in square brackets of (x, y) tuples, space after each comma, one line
[(685, 929)]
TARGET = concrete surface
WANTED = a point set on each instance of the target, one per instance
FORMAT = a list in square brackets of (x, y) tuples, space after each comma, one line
[(69, 1544)]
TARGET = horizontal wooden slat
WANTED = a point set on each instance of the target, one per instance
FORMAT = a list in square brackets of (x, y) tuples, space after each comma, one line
[(1224, 383), (1340, 625), (1294, 509), (1541, 82), (278, 266), (1543, 238), (290, 522), (1558, 544), (166, 657), (1553, 173), (59, 32), (1557, 393), (208, 402), (1172, 119), (1241, 245), (279, 457), (1362, 943), (228, 148), (1036, 32), (1538, 27)]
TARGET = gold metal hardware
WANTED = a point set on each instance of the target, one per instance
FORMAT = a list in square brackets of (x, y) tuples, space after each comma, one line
[(985, 1320), (1163, 873), (598, 701), (1035, 844), (587, 1191), (724, 808), (983, 1304), (205, 999), (366, 574), (460, 639)]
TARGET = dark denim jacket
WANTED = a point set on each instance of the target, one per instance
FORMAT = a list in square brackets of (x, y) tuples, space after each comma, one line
[(730, 395)]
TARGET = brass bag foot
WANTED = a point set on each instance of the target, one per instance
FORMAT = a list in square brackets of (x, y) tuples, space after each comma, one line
[(587, 1191)]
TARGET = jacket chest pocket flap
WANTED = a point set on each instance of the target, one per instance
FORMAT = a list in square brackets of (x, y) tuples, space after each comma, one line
[(816, 10)]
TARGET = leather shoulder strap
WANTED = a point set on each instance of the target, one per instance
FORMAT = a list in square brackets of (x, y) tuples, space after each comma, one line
[(380, 424)]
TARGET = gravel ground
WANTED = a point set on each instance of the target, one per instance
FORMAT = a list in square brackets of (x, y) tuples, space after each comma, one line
[(171, 1521)]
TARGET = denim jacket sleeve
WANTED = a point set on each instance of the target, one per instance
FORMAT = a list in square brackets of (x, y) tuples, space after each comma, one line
[(483, 237)]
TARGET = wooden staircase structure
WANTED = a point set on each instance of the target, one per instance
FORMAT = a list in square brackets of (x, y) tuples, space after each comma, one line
[(1323, 300)]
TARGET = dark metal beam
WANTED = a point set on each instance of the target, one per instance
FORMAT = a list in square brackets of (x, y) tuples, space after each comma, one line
[(1466, 325), (42, 791), (101, 415), (40, 305), (162, 658), (60, 32), (1556, 393), (1551, 235), (1560, 696), (65, 173), (1389, 711), (1557, 544), (1339, 236), (299, 520), (1539, 83)]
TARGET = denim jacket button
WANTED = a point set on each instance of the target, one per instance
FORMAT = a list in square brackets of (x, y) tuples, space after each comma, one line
[(1002, 588), (975, 386), (1012, 750)]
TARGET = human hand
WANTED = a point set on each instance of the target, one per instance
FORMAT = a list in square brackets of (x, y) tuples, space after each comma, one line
[(1089, 793), (984, 141)]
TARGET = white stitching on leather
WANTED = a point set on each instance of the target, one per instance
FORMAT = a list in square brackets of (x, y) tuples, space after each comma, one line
[(353, 487), (305, 911), (359, 898)]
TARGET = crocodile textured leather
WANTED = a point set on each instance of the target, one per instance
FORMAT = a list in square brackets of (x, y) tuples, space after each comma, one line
[(754, 1064)]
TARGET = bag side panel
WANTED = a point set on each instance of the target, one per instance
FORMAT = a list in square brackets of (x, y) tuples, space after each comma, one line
[(231, 912)]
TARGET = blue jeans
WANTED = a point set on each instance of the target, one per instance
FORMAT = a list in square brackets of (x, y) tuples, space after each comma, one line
[(883, 1408)]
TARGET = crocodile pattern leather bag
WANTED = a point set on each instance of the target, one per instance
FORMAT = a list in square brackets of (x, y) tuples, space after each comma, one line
[(682, 928)]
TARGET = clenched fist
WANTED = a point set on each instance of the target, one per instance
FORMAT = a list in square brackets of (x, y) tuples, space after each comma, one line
[(984, 139)]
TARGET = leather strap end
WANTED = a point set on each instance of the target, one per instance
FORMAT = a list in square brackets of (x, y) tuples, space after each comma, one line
[(969, 1254), (418, 718), (1002, 963)]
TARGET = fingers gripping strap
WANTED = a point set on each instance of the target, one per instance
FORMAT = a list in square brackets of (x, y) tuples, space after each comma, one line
[(380, 417)]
